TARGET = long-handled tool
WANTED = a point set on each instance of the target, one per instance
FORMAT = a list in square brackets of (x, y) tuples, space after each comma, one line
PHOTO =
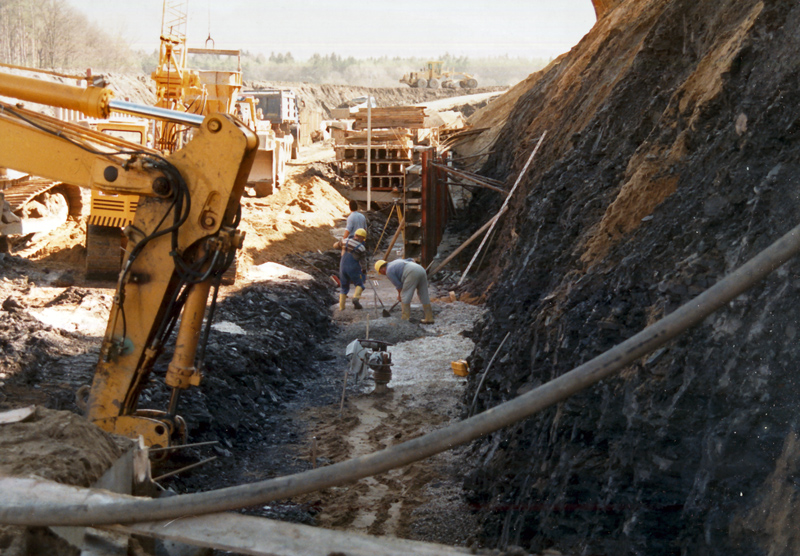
[(388, 313), (385, 313)]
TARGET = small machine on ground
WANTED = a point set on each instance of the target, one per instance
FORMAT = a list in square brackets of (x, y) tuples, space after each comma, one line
[(371, 354)]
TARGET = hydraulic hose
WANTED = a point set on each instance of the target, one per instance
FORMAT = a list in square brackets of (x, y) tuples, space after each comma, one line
[(18, 512)]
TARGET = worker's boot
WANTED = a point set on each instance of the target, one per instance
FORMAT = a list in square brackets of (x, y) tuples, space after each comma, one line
[(406, 308), (357, 297), (342, 301), (428, 315)]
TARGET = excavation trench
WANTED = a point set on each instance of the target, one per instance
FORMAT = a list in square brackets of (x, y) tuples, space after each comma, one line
[(16, 511)]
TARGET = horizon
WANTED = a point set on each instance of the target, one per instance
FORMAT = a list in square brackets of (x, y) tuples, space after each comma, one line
[(472, 28)]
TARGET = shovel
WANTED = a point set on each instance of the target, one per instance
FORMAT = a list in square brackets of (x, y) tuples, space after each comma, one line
[(386, 313)]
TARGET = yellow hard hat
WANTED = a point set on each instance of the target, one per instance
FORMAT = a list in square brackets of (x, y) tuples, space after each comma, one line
[(379, 265), (361, 232)]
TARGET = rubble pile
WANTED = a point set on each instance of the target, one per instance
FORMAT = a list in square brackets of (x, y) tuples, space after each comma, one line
[(670, 160), (263, 351)]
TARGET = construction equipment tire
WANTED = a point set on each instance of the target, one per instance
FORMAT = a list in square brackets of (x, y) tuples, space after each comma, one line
[(472, 83), (420, 84), (103, 252), (434, 83)]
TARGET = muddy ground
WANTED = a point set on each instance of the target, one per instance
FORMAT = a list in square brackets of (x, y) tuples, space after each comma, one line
[(273, 378), (670, 158)]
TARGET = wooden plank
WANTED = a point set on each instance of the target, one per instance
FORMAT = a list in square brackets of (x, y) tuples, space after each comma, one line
[(472, 238), (232, 532), (257, 536), (505, 203), (412, 117)]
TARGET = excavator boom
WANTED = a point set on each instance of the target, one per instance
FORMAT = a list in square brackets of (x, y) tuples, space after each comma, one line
[(183, 236)]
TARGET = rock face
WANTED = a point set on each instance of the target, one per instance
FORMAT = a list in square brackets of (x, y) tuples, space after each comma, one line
[(671, 158)]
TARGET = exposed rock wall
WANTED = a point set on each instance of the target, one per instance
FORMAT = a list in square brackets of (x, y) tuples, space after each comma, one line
[(671, 158)]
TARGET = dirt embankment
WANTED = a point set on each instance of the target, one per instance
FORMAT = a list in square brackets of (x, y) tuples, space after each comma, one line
[(670, 159), (324, 98)]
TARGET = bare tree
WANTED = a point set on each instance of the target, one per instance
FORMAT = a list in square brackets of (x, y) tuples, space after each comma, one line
[(51, 34)]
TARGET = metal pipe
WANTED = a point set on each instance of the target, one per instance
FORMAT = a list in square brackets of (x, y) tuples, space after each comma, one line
[(19, 512), (182, 446), (155, 112), (369, 151), (96, 102), (187, 468), (92, 101)]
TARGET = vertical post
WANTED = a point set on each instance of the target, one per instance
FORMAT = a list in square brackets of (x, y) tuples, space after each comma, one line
[(369, 152), (423, 206)]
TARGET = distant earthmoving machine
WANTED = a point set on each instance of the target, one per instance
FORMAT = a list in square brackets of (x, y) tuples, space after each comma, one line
[(433, 76)]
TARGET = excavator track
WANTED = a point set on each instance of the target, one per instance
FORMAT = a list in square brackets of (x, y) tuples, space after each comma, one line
[(19, 192), (41, 204)]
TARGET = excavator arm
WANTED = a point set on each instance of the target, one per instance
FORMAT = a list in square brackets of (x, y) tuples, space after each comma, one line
[(183, 236)]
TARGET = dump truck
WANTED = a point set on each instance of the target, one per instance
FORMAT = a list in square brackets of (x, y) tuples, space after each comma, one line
[(281, 109), (269, 168), (432, 76)]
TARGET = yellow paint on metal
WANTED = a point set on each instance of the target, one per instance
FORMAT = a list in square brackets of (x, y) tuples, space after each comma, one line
[(460, 367)]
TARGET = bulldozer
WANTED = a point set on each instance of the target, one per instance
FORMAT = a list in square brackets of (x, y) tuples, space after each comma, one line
[(432, 76)]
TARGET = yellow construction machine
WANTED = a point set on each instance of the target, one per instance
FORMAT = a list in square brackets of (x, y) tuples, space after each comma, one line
[(433, 76), (31, 204), (179, 88), (184, 234), (110, 213)]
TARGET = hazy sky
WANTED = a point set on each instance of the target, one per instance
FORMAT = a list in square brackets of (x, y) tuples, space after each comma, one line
[(532, 28)]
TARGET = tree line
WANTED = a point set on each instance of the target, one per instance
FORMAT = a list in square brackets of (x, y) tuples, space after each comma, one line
[(51, 34)]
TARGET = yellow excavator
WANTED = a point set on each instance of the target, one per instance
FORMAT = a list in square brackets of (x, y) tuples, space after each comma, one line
[(183, 236), (177, 88), (182, 89)]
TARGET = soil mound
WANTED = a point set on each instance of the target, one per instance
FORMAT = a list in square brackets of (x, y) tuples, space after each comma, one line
[(670, 159), (324, 98)]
